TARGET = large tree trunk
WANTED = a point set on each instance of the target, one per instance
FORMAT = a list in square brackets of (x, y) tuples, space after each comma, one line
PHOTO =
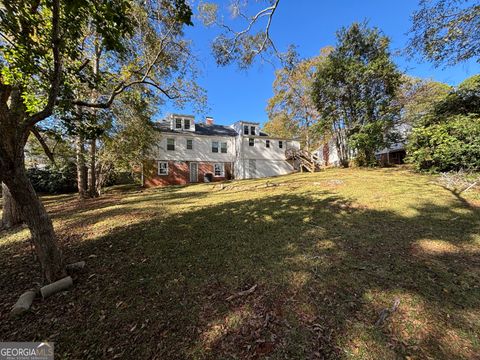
[(92, 170), (39, 223), (81, 168), (11, 215)]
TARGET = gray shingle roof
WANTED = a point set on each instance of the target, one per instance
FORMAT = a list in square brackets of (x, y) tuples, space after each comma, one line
[(200, 129)]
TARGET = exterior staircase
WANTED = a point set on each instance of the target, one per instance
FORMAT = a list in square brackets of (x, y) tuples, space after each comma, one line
[(303, 159)]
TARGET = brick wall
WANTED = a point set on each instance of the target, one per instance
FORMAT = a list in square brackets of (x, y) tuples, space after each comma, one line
[(179, 173)]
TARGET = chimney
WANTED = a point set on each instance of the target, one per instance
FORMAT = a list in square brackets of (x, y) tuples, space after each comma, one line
[(209, 120)]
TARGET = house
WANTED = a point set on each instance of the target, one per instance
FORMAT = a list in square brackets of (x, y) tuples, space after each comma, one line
[(189, 152)]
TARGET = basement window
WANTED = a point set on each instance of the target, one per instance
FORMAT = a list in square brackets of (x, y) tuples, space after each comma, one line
[(251, 142), (223, 147), (218, 170), (171, 144), (267, 143), (162, 168), (280, 144), (189, 144), (214, 146)]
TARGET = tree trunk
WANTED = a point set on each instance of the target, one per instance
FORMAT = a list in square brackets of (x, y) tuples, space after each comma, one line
[(81, 168), (92, 171), (39, 223), (11, 215)]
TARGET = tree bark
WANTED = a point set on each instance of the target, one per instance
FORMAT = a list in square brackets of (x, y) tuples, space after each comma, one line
[(81, 168), (39, 223), (11, 215), (92, 171)]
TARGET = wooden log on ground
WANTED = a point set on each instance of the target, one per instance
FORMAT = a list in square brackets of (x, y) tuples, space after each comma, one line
[(23, 303), (78, 266), (57, 286)]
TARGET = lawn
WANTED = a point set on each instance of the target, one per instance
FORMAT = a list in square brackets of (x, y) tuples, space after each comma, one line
[(328, 252)]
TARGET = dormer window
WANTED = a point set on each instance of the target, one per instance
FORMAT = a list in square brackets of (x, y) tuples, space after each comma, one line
[(245, 130), (252, 130), (178, 123), (186, 124)]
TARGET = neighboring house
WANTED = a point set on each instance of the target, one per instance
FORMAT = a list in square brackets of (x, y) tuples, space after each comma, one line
[(395, 154), (189, 152)]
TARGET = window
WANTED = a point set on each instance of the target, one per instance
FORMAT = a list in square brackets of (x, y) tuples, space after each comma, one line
[(252, 130), (162, 168), (178, 123), (189, 144), (170, 144), (186, 124), (280, 144), (245, 129), (214, 146), (267, 143), (223, 147), (218, 170), (251, 142)]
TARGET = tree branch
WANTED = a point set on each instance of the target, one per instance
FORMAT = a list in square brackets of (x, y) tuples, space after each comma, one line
[(35, 131)]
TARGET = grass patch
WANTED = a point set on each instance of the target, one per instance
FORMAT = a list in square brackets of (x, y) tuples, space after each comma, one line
[(328, 252)]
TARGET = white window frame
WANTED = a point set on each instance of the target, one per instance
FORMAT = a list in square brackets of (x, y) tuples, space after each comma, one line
[(252, 141), (222, 170), (218, 147), (181, 123), (222, 147), (253, 130), (173, 144), (186, 145), (159, 167), (185, 121), (246, 129)]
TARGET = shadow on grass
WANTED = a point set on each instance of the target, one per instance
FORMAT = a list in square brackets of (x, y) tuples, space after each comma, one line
[(324, 267)]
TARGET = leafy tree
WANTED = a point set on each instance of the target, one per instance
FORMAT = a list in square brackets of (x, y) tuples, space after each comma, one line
[(355, 91), (41, 64), (292, 97), (446, 31), (448, 136), (417, 97), (281, 125)]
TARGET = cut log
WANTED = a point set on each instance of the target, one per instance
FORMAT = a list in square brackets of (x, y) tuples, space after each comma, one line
[(57, 286), (23, 303), (78, 266)]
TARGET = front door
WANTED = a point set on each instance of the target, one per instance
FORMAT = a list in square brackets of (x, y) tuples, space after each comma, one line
[(193, 172)]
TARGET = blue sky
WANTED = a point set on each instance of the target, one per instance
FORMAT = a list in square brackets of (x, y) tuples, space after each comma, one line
[(235, 94)]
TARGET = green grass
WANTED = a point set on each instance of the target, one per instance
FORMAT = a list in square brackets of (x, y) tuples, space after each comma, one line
[(328, 251)]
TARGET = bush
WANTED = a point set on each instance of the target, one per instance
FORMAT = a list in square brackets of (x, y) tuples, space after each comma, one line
[(53, 180), (451, 144)]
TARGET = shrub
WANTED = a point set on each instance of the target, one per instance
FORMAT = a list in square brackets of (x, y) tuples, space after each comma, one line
[(54, 180), (452, 144)]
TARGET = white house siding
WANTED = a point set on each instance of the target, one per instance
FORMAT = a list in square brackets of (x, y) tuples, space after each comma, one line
[(259, 161), (202, 148)]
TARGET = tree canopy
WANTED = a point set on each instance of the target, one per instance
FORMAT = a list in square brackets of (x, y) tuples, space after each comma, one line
[(446, 32), (355, 93)]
